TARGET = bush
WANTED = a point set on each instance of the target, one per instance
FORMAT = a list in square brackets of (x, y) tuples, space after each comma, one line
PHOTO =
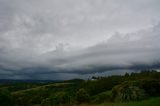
[(102, 97), (6, 98), (56, 99), (82, 96), (151, 87), (125, 92)]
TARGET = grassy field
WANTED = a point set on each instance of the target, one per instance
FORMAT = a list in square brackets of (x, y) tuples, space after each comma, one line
[(150, 102), (42, 87)]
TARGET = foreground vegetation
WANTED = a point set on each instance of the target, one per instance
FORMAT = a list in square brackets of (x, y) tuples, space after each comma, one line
[(149, 102), (135, 89)]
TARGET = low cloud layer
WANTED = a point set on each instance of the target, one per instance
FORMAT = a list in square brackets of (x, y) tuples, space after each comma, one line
[(66, 39)]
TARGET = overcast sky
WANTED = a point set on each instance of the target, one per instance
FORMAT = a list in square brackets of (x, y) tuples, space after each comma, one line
[(63, 39)]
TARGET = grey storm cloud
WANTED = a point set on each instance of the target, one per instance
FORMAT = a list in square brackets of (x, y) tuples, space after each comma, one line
[(67, 38)]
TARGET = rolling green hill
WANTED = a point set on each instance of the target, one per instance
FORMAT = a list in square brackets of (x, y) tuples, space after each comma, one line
[(135, 89)]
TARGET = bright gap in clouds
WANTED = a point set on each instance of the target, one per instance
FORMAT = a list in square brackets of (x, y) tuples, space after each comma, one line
[(40, 39)]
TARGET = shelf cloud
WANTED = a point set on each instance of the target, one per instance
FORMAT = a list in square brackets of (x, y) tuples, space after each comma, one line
[(63, 39)]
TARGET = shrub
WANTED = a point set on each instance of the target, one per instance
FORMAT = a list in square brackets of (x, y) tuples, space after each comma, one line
[(126, 92), (151, 87), (6, 98), (56, 99), (102, 97), (82, 96)]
